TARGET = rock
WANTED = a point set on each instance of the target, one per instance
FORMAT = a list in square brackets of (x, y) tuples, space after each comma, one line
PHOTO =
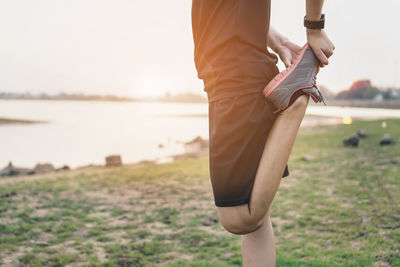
[(193, 149), (351, 141), (43, 168), (113, 160), (209, 221), (365, 219), (361, 133), (10, 170), (387, 139), (197, 145), (8, 194), (64, 168), (307, 158)]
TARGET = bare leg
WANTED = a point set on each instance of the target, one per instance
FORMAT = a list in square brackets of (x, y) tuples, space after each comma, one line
[(247, 218), (276, 154), (258, 248)]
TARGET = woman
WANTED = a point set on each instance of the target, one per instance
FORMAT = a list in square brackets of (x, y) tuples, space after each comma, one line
[(249, 143)]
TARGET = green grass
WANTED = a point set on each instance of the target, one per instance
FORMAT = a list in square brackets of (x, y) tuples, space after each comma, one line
[(339, 209)]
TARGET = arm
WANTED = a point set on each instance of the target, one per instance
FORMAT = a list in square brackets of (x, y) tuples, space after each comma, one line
[(317, 38), (275, 40), (282, 46)]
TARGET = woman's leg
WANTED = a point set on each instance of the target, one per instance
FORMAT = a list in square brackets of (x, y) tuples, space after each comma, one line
[(258, 247), (246, 218)]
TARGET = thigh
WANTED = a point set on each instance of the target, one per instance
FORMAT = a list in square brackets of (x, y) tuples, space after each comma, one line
[(238, 129)]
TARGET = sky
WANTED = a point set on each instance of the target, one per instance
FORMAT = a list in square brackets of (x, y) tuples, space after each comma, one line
[(144, 48)]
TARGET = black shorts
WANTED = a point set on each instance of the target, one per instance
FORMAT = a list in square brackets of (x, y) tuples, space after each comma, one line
[(238, 129)]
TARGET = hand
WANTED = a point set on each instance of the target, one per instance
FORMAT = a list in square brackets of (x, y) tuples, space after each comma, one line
[(288, 52), (321, 45)]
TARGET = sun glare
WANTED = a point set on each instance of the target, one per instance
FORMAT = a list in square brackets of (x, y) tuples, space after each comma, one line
[(148, 86), (347, 120)]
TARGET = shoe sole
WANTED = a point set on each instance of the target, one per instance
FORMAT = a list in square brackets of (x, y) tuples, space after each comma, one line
[(279, 78)]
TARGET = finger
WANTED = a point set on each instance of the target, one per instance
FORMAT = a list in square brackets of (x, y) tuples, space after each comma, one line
[(322, 58), (287, 61), (293, 46), (328, 53)]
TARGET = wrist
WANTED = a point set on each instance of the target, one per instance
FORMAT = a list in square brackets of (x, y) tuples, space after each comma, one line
[(313, 31), (314, 24), (314, 16)]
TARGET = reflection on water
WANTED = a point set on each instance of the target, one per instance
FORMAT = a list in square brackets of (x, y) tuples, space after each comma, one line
[(81, 132)]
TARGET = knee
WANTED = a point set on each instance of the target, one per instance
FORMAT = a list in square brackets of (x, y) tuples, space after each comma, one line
[(240, 226), (297, 108), (300, 103)]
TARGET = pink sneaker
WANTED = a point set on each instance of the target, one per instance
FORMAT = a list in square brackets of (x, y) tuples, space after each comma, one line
[(299, 78)]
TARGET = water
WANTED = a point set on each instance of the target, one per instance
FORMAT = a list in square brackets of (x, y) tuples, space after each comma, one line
[(354, 112), (83, 132)]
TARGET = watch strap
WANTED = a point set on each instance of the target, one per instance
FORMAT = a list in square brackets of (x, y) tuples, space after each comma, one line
[(312, 24)]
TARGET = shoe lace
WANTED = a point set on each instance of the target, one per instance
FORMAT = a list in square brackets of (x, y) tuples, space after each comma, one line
[(314, 83)]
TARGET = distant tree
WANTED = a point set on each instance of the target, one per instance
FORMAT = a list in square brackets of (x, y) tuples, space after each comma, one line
[(369, 92), (328, 94), (361, 89), (387, 94)]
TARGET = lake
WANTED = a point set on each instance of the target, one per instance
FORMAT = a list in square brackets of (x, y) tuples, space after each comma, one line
[(84, 132)]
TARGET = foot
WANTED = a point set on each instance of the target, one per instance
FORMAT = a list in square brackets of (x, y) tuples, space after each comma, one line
[(299, 78)]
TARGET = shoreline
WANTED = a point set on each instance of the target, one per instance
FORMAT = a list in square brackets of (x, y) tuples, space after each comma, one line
[(5, 121), (357, 103), (196, 148), (196, 152)]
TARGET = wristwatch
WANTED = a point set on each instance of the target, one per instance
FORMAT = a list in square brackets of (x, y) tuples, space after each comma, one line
[(312, 24)]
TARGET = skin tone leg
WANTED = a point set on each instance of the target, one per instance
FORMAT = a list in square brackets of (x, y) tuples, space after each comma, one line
[(276, 154), (246, 218), (258, 248)]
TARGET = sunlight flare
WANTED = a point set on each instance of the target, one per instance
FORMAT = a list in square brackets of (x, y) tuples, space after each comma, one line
[(347, 120)]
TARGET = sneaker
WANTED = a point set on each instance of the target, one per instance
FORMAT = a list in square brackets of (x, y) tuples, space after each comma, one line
[(299, 78)]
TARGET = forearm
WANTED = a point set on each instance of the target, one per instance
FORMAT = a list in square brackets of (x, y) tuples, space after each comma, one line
[(317, 38), (314, 9), (275, 40)]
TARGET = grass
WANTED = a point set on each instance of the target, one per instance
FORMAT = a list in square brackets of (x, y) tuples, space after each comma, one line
[(339, 209)]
